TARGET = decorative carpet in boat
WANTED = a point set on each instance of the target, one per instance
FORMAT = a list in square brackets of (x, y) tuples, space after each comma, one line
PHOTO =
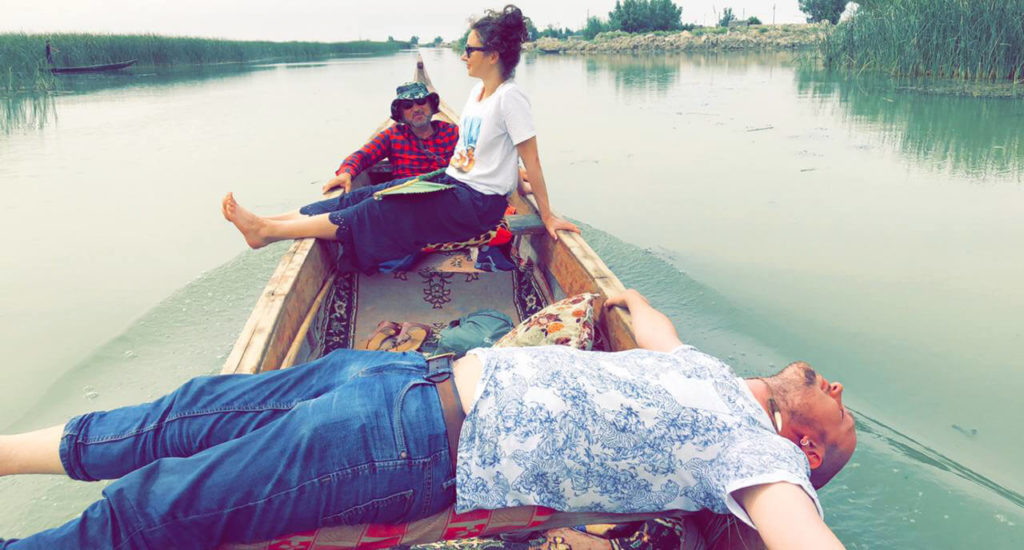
[(443, 287)]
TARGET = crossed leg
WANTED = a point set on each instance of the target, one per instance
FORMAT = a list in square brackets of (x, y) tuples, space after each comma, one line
[(34, 452), (310, 221), (260, 231)]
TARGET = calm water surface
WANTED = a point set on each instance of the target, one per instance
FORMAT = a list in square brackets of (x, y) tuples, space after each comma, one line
[(776, 213)]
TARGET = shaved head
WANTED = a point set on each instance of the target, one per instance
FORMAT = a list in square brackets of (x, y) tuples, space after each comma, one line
[(817, 420)]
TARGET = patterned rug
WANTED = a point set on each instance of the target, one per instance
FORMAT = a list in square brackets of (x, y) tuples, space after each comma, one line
[(442, 288)]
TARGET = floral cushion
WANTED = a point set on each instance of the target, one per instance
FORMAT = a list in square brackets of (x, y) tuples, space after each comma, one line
[(569, 322)]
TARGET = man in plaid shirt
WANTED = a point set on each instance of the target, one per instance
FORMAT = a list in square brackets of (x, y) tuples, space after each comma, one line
[(415, 145)]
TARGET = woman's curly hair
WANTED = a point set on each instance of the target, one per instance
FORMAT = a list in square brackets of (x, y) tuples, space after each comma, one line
[(504, 32)]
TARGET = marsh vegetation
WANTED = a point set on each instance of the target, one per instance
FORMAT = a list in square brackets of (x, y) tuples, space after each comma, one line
[(960, 39), (23, 63)]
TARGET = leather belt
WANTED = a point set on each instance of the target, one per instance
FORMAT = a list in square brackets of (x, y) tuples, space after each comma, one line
[(440, 374)]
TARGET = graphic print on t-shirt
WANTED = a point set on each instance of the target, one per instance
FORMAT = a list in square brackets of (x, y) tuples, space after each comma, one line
[(469, 132)]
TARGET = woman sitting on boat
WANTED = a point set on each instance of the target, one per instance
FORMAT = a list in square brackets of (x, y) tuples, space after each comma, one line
[(496, 127)]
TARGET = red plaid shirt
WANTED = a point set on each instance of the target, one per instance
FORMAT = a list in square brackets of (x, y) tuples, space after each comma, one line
[(408, 157)]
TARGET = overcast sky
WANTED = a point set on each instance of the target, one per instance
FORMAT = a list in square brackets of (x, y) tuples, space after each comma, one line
[(327, 20)]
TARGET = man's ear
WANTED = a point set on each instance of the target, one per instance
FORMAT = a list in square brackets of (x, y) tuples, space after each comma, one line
[(811, 450)]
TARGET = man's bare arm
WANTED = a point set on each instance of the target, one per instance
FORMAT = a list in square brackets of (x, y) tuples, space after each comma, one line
[(786, 517), (653, 330)]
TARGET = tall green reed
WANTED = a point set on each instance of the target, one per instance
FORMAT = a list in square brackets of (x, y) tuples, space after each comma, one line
[(20, 111), (23, 59), (964, 39)]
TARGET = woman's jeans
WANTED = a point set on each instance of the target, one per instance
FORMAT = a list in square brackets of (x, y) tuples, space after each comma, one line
[(371, 232), (354, 437)]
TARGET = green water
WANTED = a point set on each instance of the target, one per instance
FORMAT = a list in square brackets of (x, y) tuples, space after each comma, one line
[(775, 213)]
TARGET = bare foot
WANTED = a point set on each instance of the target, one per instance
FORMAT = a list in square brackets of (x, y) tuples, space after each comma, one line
[(252, 227)]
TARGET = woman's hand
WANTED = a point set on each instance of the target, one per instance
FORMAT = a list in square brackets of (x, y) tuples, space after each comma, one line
[(554, 224), (344, 180)]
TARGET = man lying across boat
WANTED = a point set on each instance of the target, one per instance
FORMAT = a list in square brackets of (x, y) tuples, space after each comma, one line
[(415, 145), (366, 437)]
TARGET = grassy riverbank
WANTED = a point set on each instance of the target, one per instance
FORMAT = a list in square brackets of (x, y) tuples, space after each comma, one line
[(23, 58), (753, 37), (970, 40)]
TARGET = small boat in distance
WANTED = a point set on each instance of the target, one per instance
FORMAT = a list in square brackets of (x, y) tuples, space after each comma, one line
[(93, 68)]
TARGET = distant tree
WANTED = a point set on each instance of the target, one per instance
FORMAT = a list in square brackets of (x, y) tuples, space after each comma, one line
[(531, 31), (460, 44), (645, 16), (391, 38), (438, 41), (628, 16), (665, 15), (552, 31), (823, 10), (595, 26), (414, 40), (753, 20), (727, 17)]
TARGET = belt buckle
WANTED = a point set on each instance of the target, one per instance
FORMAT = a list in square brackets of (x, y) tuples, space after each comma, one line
[(438, 377)]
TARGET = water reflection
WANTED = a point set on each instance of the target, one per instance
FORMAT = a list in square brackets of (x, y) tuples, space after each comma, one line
[(26, 111), (938, 125), (659, 73), (637, 74)]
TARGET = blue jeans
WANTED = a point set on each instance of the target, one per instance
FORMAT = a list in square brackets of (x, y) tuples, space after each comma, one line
[(354, 437), (371, 232)]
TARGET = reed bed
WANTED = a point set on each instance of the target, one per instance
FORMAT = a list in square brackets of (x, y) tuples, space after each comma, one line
[(963, 39), (23, 58)]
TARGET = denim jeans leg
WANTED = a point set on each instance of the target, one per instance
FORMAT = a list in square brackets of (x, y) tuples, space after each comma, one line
[(204, 412), (372, 450)]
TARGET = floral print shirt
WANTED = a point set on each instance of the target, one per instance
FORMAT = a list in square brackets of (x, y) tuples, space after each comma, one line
[(624, 432)]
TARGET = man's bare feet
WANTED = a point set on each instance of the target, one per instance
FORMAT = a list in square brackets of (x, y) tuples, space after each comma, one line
[(252, 227)]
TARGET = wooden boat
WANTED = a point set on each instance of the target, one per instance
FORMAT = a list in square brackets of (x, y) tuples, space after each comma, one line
[(93, 68), (309, 309)]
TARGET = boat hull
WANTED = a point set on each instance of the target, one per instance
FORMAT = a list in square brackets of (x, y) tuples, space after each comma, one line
[(93, 68)]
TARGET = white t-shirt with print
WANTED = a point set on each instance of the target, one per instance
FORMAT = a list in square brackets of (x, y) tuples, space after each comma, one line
[(624, 432), (485, 156)]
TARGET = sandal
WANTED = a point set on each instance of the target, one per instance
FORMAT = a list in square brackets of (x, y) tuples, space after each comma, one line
[(411, 337), (384, 331)]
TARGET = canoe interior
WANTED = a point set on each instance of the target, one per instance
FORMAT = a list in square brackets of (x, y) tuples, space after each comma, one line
[(308, 308)]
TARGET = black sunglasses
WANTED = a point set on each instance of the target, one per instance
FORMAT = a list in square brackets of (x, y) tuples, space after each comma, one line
[(407, 103), (471, 49)]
